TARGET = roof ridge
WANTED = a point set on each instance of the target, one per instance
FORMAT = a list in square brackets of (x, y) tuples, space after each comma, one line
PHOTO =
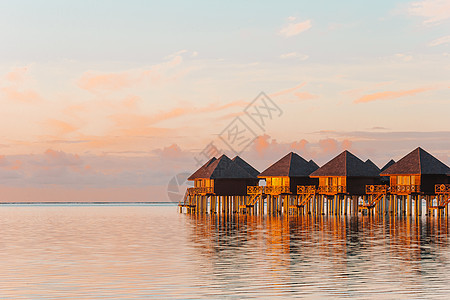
[(290, 162), (420, 161), (346, 163)]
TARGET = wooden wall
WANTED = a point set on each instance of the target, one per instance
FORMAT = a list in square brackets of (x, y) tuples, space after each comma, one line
[(357, 185), (295, 181), (429, 181), (233, 187)]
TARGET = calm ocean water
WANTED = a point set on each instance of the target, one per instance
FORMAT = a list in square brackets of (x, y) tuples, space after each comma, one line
[(151, 251)]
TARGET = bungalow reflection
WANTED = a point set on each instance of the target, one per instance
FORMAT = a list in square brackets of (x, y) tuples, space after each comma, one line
[(298, 245)]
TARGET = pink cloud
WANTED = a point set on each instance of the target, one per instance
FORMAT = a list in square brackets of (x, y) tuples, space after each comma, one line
[(136, 121), (109, 81), (305, 96), (60, 158), (25, 96), (328, 145), (300, 146), (172, 151), (267, 150), (115, 81), (390, 95), (261, 143), (266, 147), (434, 11), (60, 127), (17, 75), (440, 41), (346, 144), (288, 91), (131, 102), (293, 29), (10, 165), (15, 90), (294, 55)]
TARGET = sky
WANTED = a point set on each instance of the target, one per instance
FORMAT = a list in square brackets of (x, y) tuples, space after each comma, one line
[(109, 100)]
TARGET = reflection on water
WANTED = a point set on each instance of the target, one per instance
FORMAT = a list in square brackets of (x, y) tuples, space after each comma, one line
[(152, 251)]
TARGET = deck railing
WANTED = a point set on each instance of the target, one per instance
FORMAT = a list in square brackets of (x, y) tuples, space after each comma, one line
[(332, 189), (442, 188), (277, 190), (200, 191), (306, 189), (404, 189), (251, 189), (376, 189)]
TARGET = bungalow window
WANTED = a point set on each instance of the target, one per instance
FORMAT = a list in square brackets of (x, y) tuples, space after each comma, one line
[(204, 183), (332, 181), (406, 180), (278, 181)]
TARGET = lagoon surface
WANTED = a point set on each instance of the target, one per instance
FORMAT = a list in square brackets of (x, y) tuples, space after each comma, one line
[(152, 251)]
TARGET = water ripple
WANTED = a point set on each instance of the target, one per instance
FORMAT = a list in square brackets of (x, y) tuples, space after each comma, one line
[(136, 252)]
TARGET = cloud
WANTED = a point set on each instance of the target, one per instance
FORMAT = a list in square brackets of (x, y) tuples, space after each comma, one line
[(59, 158), (133, 120), (305, 96), (288, 91), (440, 41), (404, 57), (261, 143), (15, 89), (434, 11), (10, 165), (293, 29), (60, 127), (332, 146), (300, 146), (323, 150), (379, 128), (59, 169), (294, 55), (95, 81), (17, 74), (92, 81), (172, 152), (390, 95), (131, 102), (25, 96), (382, 145)]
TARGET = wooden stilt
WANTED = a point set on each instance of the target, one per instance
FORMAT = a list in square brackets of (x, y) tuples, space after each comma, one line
[(409, 205)]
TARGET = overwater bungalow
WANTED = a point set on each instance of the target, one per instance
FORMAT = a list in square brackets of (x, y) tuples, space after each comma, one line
[(282, 179), (416, 176), (221, 180), (286, 174), (417, 172), (346, 174)]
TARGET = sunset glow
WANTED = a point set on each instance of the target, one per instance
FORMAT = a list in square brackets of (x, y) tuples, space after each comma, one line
[(107, 101)]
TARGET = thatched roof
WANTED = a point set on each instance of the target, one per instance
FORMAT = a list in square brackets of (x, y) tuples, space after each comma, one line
[(347, 164), (246, 166), (222, 168), (417, 161), (291, 165), (201, 172), (371, 164), (389, 163)]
